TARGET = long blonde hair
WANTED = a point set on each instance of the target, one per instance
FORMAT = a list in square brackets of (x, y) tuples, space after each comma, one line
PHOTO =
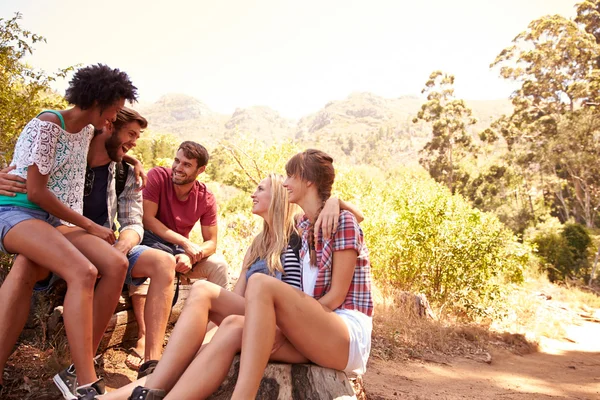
[(274, 238)]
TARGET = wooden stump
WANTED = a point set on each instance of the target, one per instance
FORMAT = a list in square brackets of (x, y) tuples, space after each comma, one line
[(122, 326), (292, 381)]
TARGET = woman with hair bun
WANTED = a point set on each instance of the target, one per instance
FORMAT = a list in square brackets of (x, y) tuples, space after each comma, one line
[(329, 324)]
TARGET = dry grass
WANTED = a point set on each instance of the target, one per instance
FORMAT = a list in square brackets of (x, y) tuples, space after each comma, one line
[(538, 308), (528, 312)]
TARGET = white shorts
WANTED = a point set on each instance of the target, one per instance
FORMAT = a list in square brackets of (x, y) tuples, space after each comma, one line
[(360, 327)]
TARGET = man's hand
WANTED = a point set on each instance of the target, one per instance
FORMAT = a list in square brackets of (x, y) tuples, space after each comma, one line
[(11, 184), (140, 175), (122, 247), (328, 218), (183, 264), (193, 251)]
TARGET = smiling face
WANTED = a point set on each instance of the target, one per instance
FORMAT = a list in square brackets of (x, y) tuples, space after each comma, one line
[(123, 140), (100, 117), (185, 170), (296, 188), (261, 198)]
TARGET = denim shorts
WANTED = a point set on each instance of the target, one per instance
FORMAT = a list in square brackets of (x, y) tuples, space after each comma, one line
[(154, 241), (132, 256), (12, 215)]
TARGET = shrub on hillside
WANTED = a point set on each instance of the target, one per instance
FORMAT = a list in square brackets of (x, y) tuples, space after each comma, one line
[(562, 249), (423, 239)]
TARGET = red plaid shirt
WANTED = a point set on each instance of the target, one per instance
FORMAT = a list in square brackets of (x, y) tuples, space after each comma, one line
[(348, 236)]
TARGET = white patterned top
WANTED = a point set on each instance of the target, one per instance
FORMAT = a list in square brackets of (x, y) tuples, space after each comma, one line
[(57, 153)]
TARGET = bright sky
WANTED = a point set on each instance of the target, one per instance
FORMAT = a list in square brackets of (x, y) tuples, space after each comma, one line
[(293, 56)]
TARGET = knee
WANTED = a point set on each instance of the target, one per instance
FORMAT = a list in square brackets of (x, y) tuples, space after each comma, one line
[(259, 284), (167, 266), (84, 276), (163, 268), (200, 291), (118, 264), (219, 274), (222, 265), (231, 330), (233, 322)]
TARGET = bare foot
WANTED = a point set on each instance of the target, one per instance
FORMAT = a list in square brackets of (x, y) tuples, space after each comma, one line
[(136, 355)]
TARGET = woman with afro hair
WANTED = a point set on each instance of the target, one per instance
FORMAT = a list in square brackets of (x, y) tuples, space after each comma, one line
[(46, 224)]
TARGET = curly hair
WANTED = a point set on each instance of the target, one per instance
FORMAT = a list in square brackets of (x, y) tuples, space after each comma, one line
[(99, 85)]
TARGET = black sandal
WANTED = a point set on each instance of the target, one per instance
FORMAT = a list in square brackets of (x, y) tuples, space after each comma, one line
[(147, 368)]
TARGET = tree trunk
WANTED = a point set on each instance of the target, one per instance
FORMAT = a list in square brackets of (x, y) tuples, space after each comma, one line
[(292, 381)]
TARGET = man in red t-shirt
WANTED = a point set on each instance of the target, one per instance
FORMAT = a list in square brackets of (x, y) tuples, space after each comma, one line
[(174, 201)]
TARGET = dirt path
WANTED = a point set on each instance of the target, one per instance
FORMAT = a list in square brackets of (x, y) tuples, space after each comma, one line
[(562, 369)]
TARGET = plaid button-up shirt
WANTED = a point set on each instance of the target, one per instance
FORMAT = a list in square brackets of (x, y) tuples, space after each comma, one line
[(349, 235), (128, 208)]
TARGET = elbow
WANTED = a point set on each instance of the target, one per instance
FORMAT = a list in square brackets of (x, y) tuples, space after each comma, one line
[(35, 195)]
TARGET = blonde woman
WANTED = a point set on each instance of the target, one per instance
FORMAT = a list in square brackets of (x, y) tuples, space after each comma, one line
[(274, 251)]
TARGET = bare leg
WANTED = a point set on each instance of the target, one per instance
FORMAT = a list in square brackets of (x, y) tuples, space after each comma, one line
[(316, 332), (208, 370), (213, 269), (111, 265), (206, 300), (45, 246), (15, 295), (138, 303), (124, 392), (160, 267)]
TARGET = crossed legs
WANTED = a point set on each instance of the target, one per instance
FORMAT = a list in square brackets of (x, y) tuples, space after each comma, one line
[(207, 301), (313, 330), (83, 326)]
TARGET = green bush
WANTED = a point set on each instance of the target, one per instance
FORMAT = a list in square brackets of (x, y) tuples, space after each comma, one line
[(423, 239), (562, 249)]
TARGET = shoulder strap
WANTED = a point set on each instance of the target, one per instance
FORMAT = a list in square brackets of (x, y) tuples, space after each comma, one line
[(59, 115), (122, 169)]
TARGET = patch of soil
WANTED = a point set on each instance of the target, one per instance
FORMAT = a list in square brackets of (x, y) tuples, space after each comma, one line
[(568, 368)]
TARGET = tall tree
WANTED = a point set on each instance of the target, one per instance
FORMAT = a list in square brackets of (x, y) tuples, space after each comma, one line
[(552, 131), (451, 142), (24, 91)]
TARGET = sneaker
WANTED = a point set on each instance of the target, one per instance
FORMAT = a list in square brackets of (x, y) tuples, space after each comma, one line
[(142, 393), (66, 381), (147, 368), (89, 392)]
